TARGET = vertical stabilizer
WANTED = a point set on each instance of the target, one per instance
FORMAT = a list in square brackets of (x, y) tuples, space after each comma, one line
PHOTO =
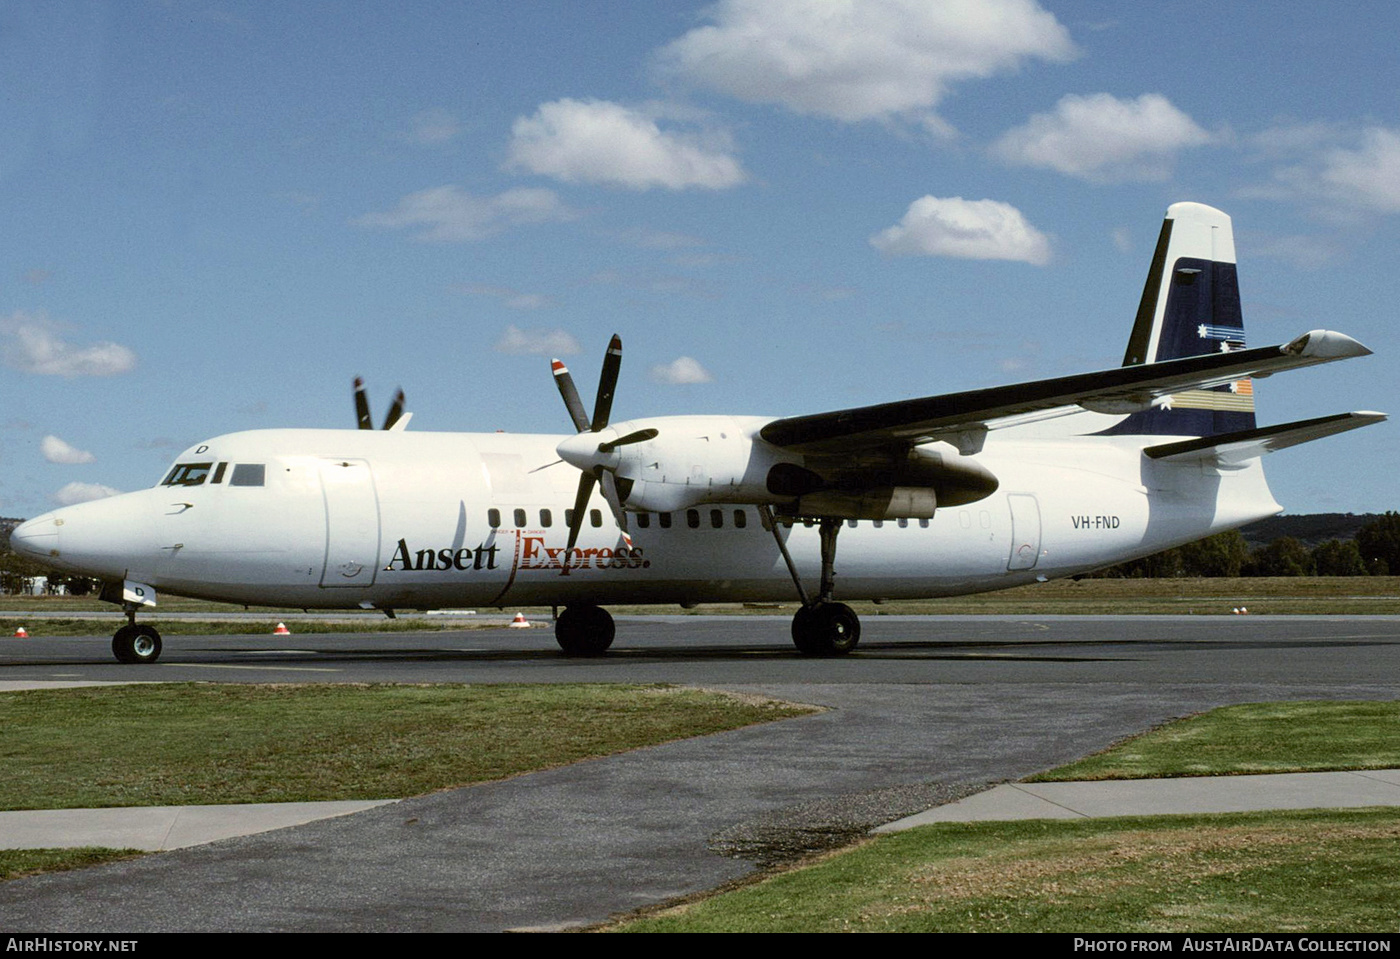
[(1190, 306)]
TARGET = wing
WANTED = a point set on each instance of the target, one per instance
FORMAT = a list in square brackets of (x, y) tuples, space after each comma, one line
[(962, 418)]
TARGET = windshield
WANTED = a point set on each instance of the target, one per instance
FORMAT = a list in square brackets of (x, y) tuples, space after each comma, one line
[(188, 474)]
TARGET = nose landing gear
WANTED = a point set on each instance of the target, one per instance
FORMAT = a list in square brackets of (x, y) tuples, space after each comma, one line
[(133, 643)]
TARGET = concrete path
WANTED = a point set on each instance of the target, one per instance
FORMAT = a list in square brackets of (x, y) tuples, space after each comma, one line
[(1154, 797), (157, 828)]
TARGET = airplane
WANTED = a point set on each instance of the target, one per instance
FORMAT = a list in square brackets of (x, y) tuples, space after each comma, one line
[(935, 496)]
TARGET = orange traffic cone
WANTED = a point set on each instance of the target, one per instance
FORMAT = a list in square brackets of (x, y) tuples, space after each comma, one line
[(519, 622), (21, 634), (281, 630)]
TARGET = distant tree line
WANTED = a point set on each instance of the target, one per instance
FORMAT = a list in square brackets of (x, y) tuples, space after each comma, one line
[(1374, 552)]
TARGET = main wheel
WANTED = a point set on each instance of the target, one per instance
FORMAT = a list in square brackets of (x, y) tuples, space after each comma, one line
[(825, 629), (584, 630), (136, 644)]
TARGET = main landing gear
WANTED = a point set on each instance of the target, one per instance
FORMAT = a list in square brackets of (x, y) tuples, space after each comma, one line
[(821, 627), (584, 630), (136, 643)]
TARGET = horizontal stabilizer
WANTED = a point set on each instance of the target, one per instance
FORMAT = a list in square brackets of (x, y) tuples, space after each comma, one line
[(1229, 449)]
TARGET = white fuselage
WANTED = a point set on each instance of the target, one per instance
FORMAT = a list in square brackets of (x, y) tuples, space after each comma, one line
[(397, 519)]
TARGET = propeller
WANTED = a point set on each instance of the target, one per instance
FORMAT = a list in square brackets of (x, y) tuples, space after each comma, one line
[(362, 408), (583, 451)]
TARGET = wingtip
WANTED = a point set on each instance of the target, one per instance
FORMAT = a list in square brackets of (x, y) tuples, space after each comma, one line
[(1326, 345)]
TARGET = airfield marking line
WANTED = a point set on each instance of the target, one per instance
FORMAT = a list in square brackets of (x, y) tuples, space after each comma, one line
[(291, 669)]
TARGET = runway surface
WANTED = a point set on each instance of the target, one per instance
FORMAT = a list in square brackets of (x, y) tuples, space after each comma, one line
[(928, 709)]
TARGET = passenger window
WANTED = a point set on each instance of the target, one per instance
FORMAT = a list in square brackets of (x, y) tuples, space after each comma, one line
[(520, 518), (716, 518), (569, 518), (877, 523), (643, 520), (493, 518), (188, 474), (246, 474), (692, 518), (595, 518), (923, 524), (809, 522), (546, 518), (741, 519), (902, 523), (852, 523), (664, 519)]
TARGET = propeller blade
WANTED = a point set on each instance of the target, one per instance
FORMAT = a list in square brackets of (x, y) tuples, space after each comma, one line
[(640, 436), (585, 492), (615, 501), (395, 411), (362, 405), (569, 392), (612, 364)]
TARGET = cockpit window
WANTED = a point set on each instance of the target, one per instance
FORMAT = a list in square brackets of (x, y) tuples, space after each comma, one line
[(248, 474), (188, 474)]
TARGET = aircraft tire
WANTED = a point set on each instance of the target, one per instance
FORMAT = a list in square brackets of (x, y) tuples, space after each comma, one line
[(136, 645), (825, 629), (584, 630)]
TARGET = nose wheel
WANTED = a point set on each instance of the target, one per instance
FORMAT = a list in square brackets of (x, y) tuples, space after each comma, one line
[(135, 643)]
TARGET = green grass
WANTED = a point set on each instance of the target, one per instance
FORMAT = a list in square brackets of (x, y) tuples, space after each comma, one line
[(185, 743), (1282, 872), (1253, 738), (16, 863)]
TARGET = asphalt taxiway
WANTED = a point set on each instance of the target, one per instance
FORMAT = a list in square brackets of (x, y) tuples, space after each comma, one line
[(928, 710)]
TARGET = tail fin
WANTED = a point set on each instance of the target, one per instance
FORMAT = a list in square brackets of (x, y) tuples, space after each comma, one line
[(1190, 306)]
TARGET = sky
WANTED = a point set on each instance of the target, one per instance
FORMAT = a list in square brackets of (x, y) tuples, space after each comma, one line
[(215, 214)]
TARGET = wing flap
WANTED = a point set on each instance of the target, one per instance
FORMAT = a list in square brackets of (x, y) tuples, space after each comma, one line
[(1232, 449), (1121, 389)]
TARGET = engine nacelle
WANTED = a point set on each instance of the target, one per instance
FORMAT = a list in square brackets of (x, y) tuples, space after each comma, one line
[(696, 459)]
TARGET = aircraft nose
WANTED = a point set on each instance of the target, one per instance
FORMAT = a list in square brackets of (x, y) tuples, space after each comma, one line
[(37, 538)]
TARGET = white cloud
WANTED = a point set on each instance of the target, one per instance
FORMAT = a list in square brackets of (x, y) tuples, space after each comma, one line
[(510, 298), (433, 127), (595, 141), (536, 342), (82, 492), (32, 344), (449, 214), (872, 60), (57, 451), (1101, 138), (680, 371), (1369, 176), (1340, 172), (968, 229)]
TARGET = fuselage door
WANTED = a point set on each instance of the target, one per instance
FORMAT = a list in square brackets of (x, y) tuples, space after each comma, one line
[(1025, 531), (352, 524)]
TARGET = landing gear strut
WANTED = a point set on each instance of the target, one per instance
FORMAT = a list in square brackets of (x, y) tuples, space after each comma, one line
[(584, 630), (821, 627), (136, 643)]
